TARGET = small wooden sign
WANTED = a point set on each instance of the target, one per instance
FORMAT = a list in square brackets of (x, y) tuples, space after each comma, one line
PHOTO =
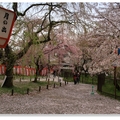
[(7, 19)]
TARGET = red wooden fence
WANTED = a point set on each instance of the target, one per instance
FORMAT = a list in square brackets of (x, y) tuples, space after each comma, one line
[(23, 70)]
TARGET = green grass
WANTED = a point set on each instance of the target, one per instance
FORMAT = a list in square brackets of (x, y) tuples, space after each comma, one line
[(69, 79), (21, 87), (109, 88), (84, 79), (1, 77), (4, 90), (89, 79)]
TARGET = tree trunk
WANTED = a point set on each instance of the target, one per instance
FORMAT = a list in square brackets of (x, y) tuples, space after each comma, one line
[(36, 74), (10, 61), (9, 78), (101, 81), (8, 82)]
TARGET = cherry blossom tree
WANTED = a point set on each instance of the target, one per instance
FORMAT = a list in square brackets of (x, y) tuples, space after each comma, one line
[(49, 15), (48, 11), (91, 27), (99, 40)]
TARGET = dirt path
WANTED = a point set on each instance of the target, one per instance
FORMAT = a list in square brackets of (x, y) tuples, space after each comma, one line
[(69, 99)]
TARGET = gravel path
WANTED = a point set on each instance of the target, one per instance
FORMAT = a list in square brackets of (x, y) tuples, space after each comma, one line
[(69, 99)]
